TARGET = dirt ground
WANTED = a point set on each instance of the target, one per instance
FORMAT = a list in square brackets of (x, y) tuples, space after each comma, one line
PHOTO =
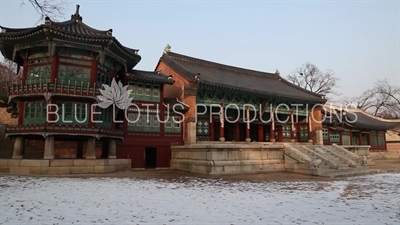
[(385, 165)]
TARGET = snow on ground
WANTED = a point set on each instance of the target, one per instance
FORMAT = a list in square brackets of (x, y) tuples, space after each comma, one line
[(373, 199)]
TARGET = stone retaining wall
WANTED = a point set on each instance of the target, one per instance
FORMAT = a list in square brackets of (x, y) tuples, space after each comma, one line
[(63, 166), (393, 154), (228, 158)]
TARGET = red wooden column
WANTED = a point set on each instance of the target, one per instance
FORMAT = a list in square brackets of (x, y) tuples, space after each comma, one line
[(54, 69), (93, 74), (248, 139), (360, 138), (25, 71), (309, 128), (261, 133), (237, 131), (212, 124), (221, 129), (272, 127)]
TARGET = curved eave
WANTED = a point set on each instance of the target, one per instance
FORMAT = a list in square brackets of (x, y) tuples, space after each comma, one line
[(43, 32), (209, 85), (153, 81), (383, 127)]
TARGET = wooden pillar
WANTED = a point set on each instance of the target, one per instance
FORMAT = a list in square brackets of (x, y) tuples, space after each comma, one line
[(221, 129), (93, 74), (360, 138), (212, 124), (49, 148), (54, 69), (261, 133), (292, 127), (19, 145), (248, 139), (272, 127), (309, 128), (25, 71), (237, 131), (91, 149)]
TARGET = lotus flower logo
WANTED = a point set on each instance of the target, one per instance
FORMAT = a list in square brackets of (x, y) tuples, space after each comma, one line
[(116, 94)]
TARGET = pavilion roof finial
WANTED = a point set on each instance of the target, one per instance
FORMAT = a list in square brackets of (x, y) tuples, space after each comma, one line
[(76, 16), (167, 48)]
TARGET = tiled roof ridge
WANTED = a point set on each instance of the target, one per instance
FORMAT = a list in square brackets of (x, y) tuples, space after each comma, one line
[(150, 71), (80, 23), (221, 66), (348, 109)]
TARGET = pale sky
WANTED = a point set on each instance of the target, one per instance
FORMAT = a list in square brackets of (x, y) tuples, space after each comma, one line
[(358, 40)]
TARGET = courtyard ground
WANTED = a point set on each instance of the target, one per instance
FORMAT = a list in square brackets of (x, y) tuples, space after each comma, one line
[(176, 197)]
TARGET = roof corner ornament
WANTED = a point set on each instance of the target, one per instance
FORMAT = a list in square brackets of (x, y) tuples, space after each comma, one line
[(167, 48), (47, 21), (76, 16), (197, 76), (109, 32), (277, 72)]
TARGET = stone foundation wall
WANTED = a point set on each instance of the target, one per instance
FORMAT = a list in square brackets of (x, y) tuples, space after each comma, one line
[(228, 158), (6, 145), (392, 154), (63, 166)]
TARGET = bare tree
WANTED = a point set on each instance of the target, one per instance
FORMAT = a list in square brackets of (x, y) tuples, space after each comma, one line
[(381, 100), (9, 73), (310, 77), (51, 8)]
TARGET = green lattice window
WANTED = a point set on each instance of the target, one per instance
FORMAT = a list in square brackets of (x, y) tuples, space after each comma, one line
[(173, 124), (304, 132), (73, 113), (38, 74), (103, 78), (67, 73), (325, 134), (145, 92), (35, 112), (103, 117), (203, 127), (143, 122), (346, 140), (334, 137), (381, 139), (286, 131)]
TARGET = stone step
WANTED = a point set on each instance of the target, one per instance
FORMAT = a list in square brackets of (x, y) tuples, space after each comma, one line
[(355, 172)]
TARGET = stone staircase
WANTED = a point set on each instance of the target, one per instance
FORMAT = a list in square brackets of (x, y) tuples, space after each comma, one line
[(329, 161)]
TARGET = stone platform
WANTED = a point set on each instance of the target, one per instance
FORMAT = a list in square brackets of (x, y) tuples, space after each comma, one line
[(63, 166), (228, 158)]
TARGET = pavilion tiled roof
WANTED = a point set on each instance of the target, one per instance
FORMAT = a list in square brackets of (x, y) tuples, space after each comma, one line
[(150, 77), (358, 119), (73, 28), (234, 78)]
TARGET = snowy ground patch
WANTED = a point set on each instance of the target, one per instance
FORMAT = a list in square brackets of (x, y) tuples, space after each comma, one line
[(373, 199)]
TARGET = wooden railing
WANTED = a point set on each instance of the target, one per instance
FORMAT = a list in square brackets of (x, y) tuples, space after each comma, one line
[(60, 129), (59, 86)]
